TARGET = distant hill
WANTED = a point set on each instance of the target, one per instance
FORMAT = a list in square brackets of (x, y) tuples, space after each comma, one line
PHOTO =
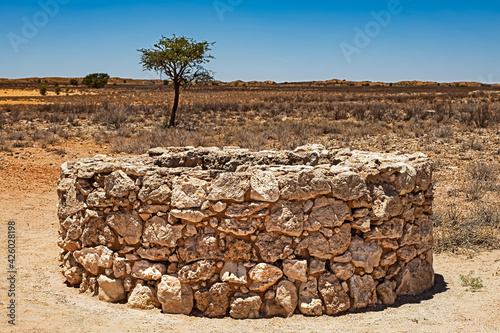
[(240, 83)]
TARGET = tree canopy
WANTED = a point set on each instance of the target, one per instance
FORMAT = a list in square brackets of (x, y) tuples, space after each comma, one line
[(96, 80), (181, 59)]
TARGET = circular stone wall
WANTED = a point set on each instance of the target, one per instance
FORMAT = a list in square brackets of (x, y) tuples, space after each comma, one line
[(248, 234)]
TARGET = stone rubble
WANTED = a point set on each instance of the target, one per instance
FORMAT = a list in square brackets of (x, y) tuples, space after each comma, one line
[(230, 232)]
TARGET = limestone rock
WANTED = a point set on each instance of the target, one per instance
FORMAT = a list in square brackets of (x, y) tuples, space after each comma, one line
[(424, 176), (143, 297), (273, 247), (388, 259), (190, 215), (304, 185), (314, 245), (362, 224), (239, 227), (406, 253), (264, 187), (155, 189), (174, 296), (362, 290), (118, 184), (389, 229), (110, 290), (219, 207), (342, 271), (230, 186), (386, 202), (238, 249), (385, 292), (71, 270), (200, 246), (405, 179), (155, 253), (348, 186), (286, 217), (416, 277), (97, 199), (121, 267), (97, 232), (310, 303), (264, 276), (295, 269), (74, 231), (214, 302), (94, 258), (244, 307), (145, 270), (334, 296), (233, 272), (365, 255), (158, 231), (239, 210), (339, 242), (327, 212), (127, 225), (286, 297), (411, 235), (188, 192), (284, 302), (316, 266), (70, 202), (199, 271)]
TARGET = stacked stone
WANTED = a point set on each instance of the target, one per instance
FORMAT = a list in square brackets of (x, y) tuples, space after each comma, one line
[(250, 234)]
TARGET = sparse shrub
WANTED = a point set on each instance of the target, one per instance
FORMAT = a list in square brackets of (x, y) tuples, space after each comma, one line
[(483, 171), (73, 82), (43, 90), (96, 80), (475, 229), (57, 90), (443, 132), (45, 137), (481, 178), (473, 283)]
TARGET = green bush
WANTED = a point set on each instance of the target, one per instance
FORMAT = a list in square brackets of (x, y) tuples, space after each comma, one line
[(474, 283), (73, 82), (96, 80), (57, 90), (43, 90)]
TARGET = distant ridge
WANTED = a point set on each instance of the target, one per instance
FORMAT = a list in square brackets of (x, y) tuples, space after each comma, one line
[(240, 83)]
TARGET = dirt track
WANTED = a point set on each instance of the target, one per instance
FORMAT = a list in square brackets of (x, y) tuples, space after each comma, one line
[(46, 304)]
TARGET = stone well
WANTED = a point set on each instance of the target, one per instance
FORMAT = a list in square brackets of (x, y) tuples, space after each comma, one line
[(247, 234)]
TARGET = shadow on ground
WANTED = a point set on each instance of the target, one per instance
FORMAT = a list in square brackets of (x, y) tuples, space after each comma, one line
[(440, 286)]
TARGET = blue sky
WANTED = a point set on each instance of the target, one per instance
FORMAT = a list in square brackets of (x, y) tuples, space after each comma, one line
[(258, 40)]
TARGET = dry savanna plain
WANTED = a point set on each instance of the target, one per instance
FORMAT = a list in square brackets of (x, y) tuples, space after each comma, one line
[(456, 125)]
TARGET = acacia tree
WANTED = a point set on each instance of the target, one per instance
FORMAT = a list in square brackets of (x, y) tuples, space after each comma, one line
[(181, 59)]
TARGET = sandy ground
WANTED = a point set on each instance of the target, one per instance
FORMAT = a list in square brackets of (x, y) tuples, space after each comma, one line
[(28, 180)]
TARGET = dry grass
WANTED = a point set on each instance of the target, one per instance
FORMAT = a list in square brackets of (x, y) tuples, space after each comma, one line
[(453, 125), (458, 231)]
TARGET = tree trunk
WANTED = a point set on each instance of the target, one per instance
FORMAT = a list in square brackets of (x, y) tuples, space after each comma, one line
[(177, 89)]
